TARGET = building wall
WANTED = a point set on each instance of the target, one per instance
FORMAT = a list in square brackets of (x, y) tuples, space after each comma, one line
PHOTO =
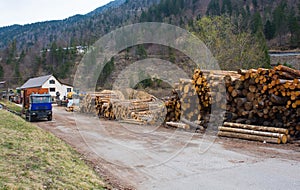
[(55, 86), (66, 89)]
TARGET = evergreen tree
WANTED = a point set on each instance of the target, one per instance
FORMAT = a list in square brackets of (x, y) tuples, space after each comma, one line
[(254, 2), (269, 30), (213, 8), (1, 72), (226, 7), (256, 23), (294, 29), (280, 20)]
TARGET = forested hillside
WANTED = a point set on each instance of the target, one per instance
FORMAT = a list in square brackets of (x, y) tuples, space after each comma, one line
[(251, 26)]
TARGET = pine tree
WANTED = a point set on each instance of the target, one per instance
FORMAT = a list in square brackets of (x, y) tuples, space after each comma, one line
[(1, 72), (226, 7), (256, 23), (280, 20), (213, 8), (269, 30), (294, 29)]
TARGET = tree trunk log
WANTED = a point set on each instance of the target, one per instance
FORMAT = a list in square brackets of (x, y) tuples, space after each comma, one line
[(257, 128), (249, 137), (282, 137)]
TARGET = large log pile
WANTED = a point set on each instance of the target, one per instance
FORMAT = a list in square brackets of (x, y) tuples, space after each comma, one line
[(192, 98), (188, 103), (268, 97), (261, 97)]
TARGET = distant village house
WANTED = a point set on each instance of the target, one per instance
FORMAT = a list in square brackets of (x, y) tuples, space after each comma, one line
[(56, 88)]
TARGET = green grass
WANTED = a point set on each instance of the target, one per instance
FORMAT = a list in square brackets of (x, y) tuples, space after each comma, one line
[(31, 158), (11, 106)]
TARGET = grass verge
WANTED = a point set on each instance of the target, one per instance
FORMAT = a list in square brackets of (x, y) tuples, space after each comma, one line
[(11, 106), (31, 158)]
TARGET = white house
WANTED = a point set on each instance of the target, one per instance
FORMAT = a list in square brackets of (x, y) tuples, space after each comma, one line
[(50, 82)]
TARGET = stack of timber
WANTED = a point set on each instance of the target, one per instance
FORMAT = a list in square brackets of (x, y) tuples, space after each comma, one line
[(192, 98), (98, 102), (263, 97), (254, 133), (112, 105), (173, 106), (188, 103), (268, 97), (147, 111)]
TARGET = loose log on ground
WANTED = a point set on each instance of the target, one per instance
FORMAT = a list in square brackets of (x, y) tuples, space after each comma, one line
[(178, 125), (282, 137), (249, 137), (257, 128)]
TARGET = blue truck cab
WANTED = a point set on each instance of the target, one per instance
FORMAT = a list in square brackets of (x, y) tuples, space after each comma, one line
[(40, 107)]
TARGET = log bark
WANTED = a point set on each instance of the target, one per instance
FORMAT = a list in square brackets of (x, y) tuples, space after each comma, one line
[(178, 125), (249, 137), (282, 137), (289, 70), (257, 128)]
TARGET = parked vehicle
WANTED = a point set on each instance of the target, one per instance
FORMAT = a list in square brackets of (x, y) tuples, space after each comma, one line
[(37, 104)]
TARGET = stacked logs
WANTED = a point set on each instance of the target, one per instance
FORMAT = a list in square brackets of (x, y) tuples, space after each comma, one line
[(173, 107), (193, 97), (252, 132), (188, 102), (268, 97), (99, 103), (264, 97), (112, 105), (148, 111), (202, 89)]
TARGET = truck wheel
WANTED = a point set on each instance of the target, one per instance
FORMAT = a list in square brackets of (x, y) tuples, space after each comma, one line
[(49, 118), (30, 119)]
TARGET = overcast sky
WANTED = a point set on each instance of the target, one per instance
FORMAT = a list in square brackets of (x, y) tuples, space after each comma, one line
[(30, 11)]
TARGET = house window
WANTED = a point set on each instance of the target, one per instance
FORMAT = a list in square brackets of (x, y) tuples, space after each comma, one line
[(69, 89), (52, 89), (51, 81)]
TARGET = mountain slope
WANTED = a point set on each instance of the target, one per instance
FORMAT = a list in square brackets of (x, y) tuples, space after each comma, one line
[(46, 47)]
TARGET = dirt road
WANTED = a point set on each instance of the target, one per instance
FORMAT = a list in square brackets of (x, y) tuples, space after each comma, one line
[(144, 157)]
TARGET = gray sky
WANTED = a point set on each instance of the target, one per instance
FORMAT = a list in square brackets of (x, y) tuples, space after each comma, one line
[(30, 11)]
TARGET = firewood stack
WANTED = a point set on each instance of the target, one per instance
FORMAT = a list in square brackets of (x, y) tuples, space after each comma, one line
[(268, 97)]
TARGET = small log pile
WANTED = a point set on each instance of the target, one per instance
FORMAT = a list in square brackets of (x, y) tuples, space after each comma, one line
[(112, 105), (148, 111), (99, 103), (253, 132), (268, 97)]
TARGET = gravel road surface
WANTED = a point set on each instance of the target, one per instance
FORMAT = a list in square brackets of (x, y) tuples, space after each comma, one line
[(131, 156)]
